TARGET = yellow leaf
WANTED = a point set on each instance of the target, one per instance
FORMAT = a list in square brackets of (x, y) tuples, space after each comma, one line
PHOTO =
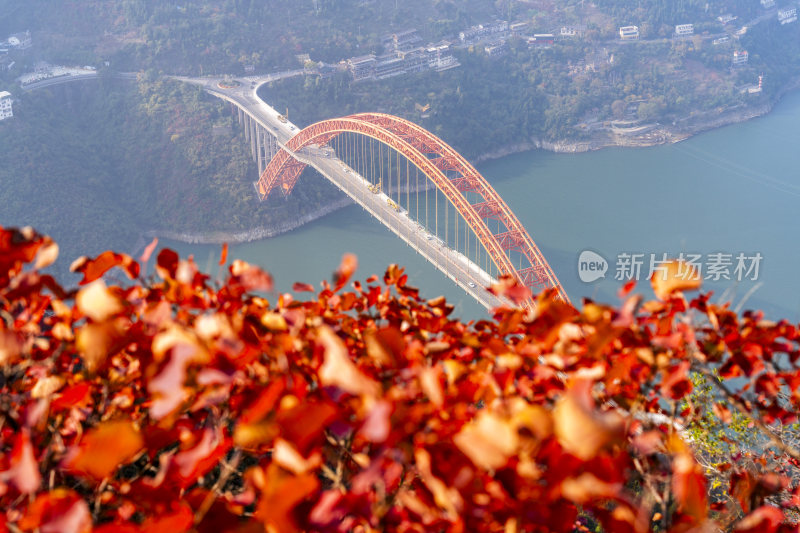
[(488, 440), (674, 276), (47, 255), (97, 302)]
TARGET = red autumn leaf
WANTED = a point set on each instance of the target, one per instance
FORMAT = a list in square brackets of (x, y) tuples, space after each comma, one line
[(72, 396), (689, 487), (263, 404), (17, 246), (178, 520), (24, 472), (345, 271), (250, 277), (304, 424), (188, 465), (58, 511), (223, 256), (741, 487), (116, 527), (676, 383), (93, 269), (167, 387), (377, 424), (409, 418), (302, 287), (167, 263), (765, 519), (507, 286), (105, 448)]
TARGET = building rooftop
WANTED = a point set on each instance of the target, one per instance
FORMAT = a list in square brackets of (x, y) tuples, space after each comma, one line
[(3, 94)]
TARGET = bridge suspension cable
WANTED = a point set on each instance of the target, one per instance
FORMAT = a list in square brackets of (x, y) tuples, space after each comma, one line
[(384, 149)]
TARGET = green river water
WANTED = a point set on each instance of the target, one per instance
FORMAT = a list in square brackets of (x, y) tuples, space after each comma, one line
[(734, 190)]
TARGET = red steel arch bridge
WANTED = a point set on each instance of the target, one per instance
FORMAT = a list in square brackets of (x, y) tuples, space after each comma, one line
[(407, 178)]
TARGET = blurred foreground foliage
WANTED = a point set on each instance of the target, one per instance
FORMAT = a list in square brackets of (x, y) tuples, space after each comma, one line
[(178, 403)]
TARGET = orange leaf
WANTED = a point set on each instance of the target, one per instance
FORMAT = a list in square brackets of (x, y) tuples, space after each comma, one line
[(282, 492), (689, 487), (674, 276), (223, 256), (58, 510), (581, 429), (345, 271), (93, 269), (105, 448)]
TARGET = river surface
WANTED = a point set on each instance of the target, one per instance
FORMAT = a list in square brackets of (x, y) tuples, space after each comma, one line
[(731, 191)]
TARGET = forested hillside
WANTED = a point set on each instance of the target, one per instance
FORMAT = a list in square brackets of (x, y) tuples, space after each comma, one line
[(100, 163)]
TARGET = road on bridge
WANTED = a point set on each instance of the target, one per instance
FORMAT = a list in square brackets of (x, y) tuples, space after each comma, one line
[(465, 273)]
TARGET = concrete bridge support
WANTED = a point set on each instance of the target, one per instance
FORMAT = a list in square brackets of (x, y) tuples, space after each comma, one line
[(263, 144)]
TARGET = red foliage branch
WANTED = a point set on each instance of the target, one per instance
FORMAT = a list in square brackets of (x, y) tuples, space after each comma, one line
[(181, 405)]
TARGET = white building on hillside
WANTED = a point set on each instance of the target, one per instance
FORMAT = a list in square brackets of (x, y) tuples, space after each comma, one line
[(629, 33), (5, 105), (740, 57), (684, 29), (767, 3), (787, 15)]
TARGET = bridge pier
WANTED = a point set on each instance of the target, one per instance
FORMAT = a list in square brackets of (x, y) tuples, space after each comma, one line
[(263, 144), (253, 139), (260, 149)]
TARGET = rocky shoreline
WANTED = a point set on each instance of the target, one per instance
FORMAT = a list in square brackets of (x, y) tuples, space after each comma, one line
[(248, 235), (661, 134)]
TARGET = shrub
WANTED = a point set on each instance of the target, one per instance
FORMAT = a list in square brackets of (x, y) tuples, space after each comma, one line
[(180, 404)]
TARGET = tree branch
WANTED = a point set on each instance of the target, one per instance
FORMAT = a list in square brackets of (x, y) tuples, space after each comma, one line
[(734, 400)]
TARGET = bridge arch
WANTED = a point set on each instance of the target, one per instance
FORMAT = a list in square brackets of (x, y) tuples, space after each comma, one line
[(446, 169)]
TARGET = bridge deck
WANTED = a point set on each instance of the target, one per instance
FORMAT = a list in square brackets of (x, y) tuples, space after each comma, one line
[(465, 273)]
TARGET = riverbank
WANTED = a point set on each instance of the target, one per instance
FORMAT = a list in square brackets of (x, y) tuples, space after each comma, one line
[(661, 134), (249, 235)]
